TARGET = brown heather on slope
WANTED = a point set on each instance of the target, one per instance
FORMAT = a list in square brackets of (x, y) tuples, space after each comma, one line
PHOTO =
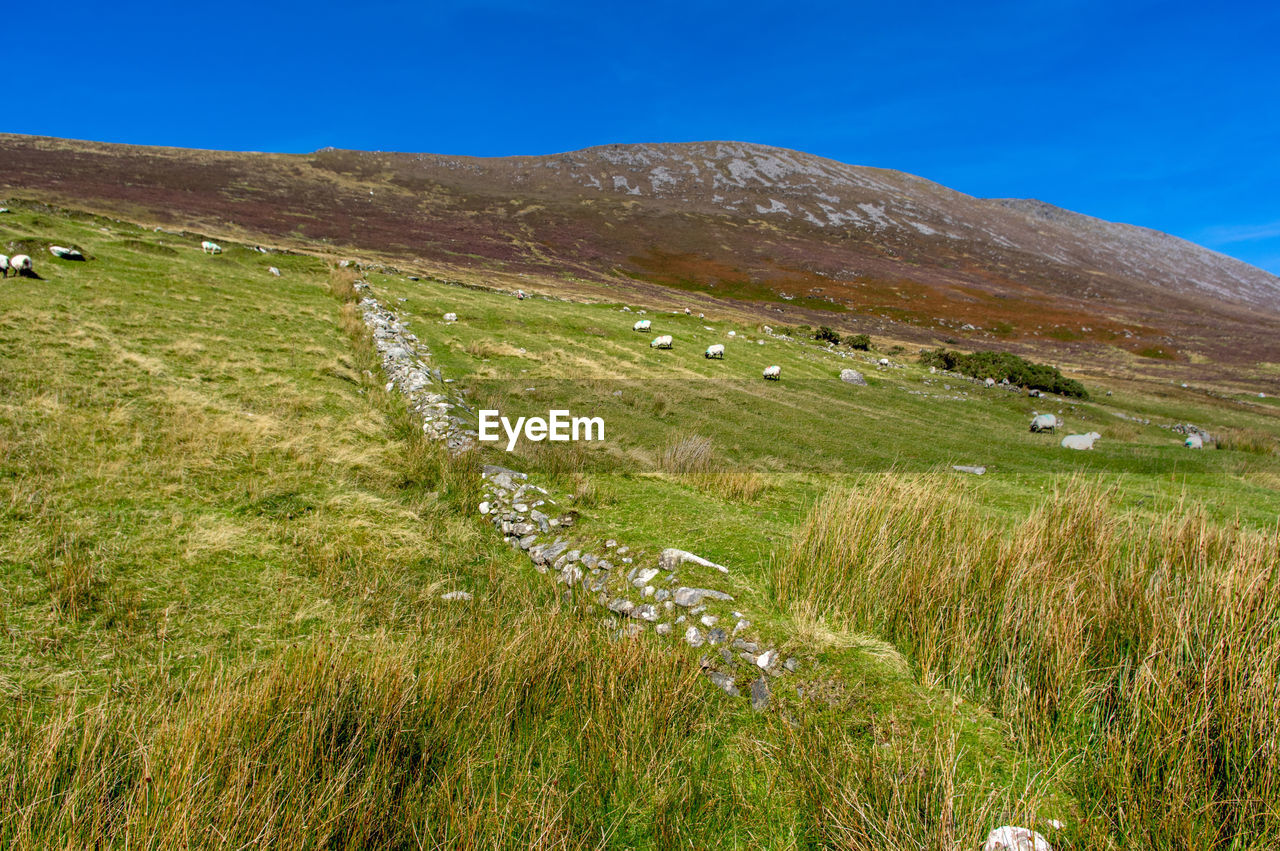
[(788, 237)]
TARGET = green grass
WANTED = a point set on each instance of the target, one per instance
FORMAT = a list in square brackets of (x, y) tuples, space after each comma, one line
[(222, 546)]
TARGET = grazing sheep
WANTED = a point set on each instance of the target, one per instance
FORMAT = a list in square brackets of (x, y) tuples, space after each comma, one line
[(20, 264), (210, 247), (884, 361), (4, 265), (663, 342), (1011, 838), (773, 373), (1080, 441), (1034, 394), (990, 382), (520, 295), (641, 325), (65, 253), (451, 317), (1045, 422), (1194, 441), (715, 351), (273, 270)]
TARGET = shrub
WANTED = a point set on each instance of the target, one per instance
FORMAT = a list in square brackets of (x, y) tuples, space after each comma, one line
[(826, 335), (858, 341), (1005, 365)]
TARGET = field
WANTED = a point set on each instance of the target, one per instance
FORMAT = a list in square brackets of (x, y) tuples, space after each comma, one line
[(223, 546)]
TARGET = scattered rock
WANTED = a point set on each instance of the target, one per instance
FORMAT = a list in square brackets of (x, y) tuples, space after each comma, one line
[(964, 468), (759, 694), (461, 596), (725, 682), (692, 636), (689, 597), (672, 558), (852, 376)]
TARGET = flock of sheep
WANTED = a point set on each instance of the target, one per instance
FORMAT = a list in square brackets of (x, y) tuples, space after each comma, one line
[(714, 352), (20, 264)]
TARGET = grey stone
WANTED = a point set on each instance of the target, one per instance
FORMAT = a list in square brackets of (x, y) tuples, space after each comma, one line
[(461, 596), (663, 629), (541, 519), (527, 541), (748, 646), (759, 695), (965, 468), (672, 558), (643, 577), (662, 595), (645, 613), (693, 637), (689, 597), (709, 620), (792, 664), (766, 659), (725, 682), (621, 606), (717, 636), (852, 376)]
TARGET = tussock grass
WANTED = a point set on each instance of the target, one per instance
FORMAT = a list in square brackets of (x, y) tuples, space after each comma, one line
[(731, 485), (1149, 650), (687, 454), (1253, 440)]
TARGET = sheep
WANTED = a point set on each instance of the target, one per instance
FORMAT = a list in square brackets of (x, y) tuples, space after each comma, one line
[(990, 382), (884, 361), (4, 265), (715, 351), (65, 253), (210, 247), (1194, 441), (1080, 441), (273, 270), (20, 264), (451, 317), (1044, 422), (773, 373), (663, 342), (641, 325)]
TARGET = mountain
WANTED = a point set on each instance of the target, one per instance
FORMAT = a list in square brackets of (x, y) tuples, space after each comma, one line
[(794, 237)]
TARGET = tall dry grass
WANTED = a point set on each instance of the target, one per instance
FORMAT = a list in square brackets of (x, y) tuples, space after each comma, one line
[(522, 734), (1149, 653), (1253, 440)]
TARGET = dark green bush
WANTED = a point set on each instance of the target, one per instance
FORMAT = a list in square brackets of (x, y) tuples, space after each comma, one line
[(858, 341), (826, 335), (1005, 365)]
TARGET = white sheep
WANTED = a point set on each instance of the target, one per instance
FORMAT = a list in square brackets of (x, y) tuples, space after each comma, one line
[(1194, 441), (273, 270), (20, 264), (990, 382), (1045, 422), (65, 253), (210, 247), (773, 373), (1080, 441), (641, 325), (4, 265), (663, 342), (714, 351), (451, 317), (884, 361)]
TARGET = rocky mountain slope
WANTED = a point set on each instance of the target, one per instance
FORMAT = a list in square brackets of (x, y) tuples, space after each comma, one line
[(796, 237)]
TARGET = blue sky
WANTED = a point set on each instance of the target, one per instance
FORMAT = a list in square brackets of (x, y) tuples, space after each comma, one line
[(1160, 114)]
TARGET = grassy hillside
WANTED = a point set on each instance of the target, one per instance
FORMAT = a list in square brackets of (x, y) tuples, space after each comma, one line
[(223, 545)]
